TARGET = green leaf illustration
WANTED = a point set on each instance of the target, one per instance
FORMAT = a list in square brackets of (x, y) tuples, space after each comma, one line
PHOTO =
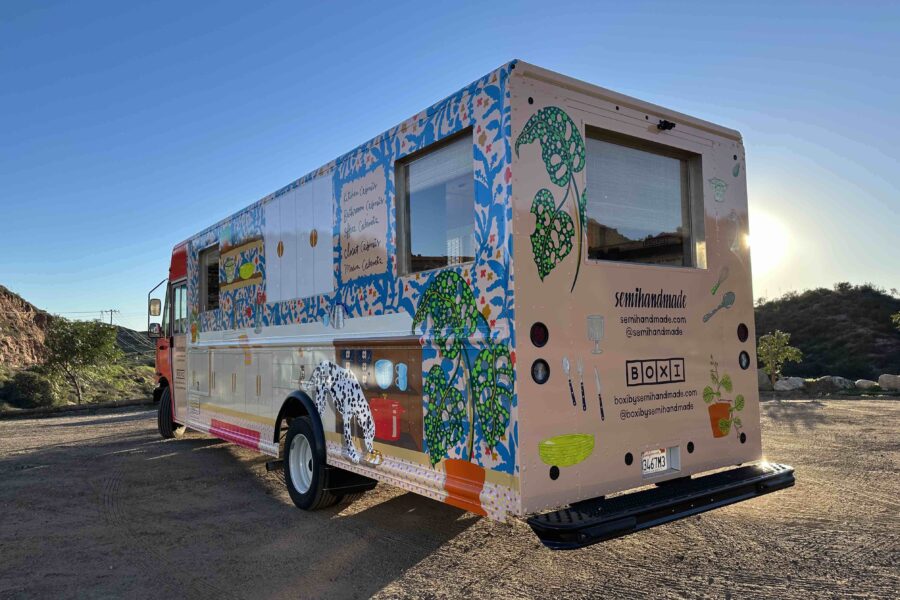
[(445, 413), (492, 384), (451, 306), (724, 426), (562, 147), (553, 230), (737, 422), (726, 382), (708, 394), (739, 403)]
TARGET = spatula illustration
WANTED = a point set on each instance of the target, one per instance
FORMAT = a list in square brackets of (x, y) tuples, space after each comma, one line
[(727, 302)]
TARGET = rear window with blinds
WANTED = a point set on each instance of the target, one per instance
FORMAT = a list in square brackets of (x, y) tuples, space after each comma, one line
[(437, 208), (639, 202)]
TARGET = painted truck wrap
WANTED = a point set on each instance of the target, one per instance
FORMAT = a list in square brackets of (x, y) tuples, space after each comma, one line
[(426, 380)]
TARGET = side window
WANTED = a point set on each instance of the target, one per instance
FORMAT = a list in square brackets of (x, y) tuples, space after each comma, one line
[(644, 202), (436, 208), (209, 279), (179, 309)]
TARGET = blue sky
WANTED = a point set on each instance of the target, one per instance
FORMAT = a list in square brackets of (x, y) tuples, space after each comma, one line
[(126, 127)]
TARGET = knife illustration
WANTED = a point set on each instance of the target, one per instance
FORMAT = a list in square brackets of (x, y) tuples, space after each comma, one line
[(599, 393)]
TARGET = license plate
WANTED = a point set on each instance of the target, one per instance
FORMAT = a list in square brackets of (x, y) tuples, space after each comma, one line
[(654, 461)]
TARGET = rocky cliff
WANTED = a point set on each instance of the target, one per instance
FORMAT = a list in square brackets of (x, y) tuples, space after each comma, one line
[(22, 327)]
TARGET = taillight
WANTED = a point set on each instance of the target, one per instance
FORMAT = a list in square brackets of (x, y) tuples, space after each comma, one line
[(539, 334), (540, 371)]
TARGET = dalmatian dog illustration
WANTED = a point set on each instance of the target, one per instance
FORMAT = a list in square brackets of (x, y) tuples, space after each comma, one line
[(341, 384)]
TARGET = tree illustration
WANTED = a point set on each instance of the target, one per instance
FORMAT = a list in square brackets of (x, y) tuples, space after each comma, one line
[(449, 313)]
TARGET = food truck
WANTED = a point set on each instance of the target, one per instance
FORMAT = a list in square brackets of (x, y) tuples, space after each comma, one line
[(523, 301)]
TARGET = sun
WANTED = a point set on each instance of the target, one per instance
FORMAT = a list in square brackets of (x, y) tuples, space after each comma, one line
[(769, 242)]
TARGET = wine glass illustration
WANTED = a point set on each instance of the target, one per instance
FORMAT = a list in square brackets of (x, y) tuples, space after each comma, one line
[(595, 332)]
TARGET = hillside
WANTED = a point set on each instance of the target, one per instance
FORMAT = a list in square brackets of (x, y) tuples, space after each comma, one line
[(22, 327), (846, 331)]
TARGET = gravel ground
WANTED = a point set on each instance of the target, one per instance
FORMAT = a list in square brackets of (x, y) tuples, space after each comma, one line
[(98, 506)]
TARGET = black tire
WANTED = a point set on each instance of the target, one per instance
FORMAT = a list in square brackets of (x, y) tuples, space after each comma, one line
[(168, 428), (157, 394), (315, 496)]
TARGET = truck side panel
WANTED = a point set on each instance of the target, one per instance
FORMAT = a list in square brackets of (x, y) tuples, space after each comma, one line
[(311, 273)]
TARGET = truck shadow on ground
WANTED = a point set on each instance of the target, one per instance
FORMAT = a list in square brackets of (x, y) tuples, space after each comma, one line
[(349, 550), (796, 414)]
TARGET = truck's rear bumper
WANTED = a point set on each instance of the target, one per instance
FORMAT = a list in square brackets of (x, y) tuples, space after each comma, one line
[(600, 519)]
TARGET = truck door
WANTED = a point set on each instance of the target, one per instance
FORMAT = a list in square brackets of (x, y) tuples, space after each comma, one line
[(179, 350)]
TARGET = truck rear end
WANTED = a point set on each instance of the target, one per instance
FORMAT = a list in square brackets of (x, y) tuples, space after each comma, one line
[(635, 341)]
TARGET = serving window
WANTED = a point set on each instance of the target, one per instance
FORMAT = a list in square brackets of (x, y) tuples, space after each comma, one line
[(209, 279), (644, 202), (436, 208)]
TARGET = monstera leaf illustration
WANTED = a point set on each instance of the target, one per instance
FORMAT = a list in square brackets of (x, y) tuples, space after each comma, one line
[(445, 413), (492, 384), (450, 305), (562, 147), (553, 230)]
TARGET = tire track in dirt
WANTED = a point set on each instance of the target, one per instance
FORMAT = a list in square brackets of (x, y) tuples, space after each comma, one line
[(111, 510)]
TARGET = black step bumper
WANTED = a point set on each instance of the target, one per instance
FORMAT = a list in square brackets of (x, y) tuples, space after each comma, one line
[(600, 519)]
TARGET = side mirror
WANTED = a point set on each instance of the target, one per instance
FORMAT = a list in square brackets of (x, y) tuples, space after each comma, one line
[(155, 307), (155, 331)]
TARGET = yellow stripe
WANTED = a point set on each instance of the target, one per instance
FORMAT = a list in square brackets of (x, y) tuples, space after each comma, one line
[(206, 406)]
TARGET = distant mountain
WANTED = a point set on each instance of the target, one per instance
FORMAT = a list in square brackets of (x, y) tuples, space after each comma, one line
[(133, 342), (22, 327), (845, 331)]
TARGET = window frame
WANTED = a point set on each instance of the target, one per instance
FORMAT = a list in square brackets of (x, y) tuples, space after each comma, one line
[(204, 277), (693, 212), (401, 204), (177, 323)]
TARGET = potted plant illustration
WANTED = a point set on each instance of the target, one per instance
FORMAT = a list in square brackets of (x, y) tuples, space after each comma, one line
[(476, 388), (722, 417)]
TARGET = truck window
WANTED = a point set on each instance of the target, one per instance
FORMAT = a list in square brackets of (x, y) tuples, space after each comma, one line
[(436, 211), (641, 204), (179, 309), (209, 278)]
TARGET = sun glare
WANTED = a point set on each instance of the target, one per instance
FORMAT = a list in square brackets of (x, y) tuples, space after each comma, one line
[(769, 241)]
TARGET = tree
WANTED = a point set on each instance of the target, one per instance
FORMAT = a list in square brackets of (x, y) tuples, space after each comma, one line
[(774, 350), (74, 347), (896, 319)]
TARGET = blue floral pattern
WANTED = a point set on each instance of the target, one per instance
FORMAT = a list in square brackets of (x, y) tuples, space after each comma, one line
[(482, 106)]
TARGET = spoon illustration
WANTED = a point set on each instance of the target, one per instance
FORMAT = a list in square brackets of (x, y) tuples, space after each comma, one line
[(565, 363), (727, 301)]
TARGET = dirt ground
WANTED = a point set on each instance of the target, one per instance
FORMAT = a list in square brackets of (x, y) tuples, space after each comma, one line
[(98, 506)]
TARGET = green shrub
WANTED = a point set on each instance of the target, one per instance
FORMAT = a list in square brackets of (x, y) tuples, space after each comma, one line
[(31, 389)]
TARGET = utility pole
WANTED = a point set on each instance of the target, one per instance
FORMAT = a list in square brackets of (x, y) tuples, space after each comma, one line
[(111, 312)]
